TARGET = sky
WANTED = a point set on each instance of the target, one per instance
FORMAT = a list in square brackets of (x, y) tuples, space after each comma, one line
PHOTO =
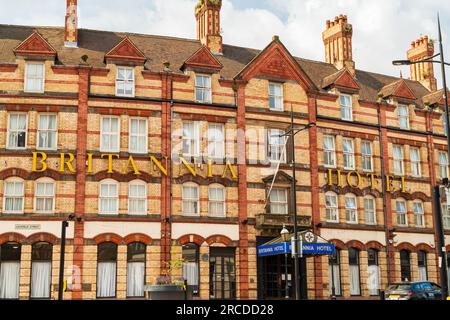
[(382, 29)]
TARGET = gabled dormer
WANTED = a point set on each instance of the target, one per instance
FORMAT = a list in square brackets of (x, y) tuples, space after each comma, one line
[(126, 56), (399, 90), (35, 47), (342, 80), (202, 61), (125, 52)]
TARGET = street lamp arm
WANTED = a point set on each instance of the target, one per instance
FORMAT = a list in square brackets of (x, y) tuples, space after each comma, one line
[(295, 131)]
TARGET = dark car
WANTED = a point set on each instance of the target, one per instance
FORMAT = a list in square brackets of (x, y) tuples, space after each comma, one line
[(423, 290)]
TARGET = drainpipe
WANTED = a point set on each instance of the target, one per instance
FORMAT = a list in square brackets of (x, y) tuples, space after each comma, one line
[(383, 192)]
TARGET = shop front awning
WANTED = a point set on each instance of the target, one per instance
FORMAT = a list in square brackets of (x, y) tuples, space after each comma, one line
[(311, 244)]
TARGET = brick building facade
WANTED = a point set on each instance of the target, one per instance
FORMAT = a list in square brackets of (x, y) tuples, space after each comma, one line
[(88, 120)]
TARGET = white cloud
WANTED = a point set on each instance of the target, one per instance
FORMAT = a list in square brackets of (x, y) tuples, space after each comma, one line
[(383, 29)]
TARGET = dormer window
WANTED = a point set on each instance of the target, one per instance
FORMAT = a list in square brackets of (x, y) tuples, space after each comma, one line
[(346, 107), (275, 96), (203, 88), (125, 82), (34, 77), (403, 116)]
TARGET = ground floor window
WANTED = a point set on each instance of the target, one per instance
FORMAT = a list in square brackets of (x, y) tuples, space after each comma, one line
[(191, 272), (405, 265), (334, 271), (9, 270), (353, 260), (106, 270), (422, 263), (373, 270), (41, 270), (135, 269)]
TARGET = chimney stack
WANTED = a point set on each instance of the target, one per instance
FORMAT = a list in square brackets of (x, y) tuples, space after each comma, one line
[(207, 13), (71, 31), (423, 72), (337, 39)]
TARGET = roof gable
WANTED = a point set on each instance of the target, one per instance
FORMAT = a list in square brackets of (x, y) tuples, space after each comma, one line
[(342, 79), (398, 89), (126, 50), (202, 59), (275, 61), (35, 45)]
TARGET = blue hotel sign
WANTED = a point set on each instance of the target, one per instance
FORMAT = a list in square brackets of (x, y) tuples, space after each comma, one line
[(308, 248)]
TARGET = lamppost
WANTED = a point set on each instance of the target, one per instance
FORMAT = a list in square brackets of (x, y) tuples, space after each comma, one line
[(291, 134), (437, 188), (64, 225), (285, 237)]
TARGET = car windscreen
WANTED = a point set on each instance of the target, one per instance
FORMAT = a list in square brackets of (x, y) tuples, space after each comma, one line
[(400, 287)]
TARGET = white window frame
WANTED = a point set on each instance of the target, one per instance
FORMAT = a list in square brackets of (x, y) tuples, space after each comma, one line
[(193, 200), (351, 211), (102, 147), (206, 91), (45, 197), (41, 131), (216, 144), (14, 196), (349, 157), (193, 138), (280, 203), (143, 198), (9, 131), (374, 211), (367, 156), (108, 197), (217, 201), (333, 209), (279, 147), (419, 213), (415, 163), (329, 153), (404, 117), (126, 82), (346, 108), (400, 160), (277, 98), (443, 167), (138, 135), (27, 78), (405, 213), (446, 216)]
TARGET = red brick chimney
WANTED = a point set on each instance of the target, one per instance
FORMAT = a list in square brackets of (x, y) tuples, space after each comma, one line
[(207, 13), (337, 39), (71, 31), (423, 72)]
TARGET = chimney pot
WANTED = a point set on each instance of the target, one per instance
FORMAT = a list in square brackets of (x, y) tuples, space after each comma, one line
[(327, 24)]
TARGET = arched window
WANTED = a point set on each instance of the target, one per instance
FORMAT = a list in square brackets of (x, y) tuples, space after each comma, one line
[(135, 269), (419, 218), (334, 272), (216, 204), (405, 265), (137, 198), (402, 218), (331, 207), (191, 203), (44, 196), (370, 213), (9, 270), (109, 197), (351, 210), (422, 264), (41, 270), (353, 261), (106, 270), (14, 196), (373, 281), (191, 269)]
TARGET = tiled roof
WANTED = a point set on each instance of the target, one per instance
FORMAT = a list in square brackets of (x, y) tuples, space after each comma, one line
[(159, 49)]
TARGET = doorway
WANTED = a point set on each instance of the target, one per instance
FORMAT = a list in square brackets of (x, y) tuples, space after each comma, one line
[(222, 273)]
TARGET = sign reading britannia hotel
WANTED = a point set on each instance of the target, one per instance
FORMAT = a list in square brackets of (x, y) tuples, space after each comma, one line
[(170, 153)]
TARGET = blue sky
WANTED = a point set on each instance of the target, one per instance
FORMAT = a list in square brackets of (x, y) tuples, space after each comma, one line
[(383, 29)]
